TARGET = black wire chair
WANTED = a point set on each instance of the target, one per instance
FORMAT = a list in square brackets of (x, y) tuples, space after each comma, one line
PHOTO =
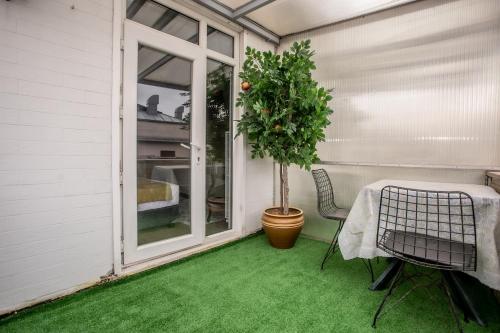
[(434, 229), (329, 210)]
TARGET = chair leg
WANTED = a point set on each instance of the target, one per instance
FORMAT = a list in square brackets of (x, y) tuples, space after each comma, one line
[(333, 245), (389, 291), (452, 305), (369, 267)]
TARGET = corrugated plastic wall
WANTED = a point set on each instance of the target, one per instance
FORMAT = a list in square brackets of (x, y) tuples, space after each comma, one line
[(417, 85), (416, 95)]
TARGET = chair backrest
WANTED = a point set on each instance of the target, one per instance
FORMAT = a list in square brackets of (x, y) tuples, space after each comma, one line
[(430, 228), (324, 190)]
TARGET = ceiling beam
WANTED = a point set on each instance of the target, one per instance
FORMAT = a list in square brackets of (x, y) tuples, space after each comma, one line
[(165, 19), (217, 7), (268, 35), (134, 7), (249, 7), (242, 21)]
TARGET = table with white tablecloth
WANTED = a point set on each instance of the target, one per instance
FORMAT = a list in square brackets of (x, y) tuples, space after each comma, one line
[(358, 236)]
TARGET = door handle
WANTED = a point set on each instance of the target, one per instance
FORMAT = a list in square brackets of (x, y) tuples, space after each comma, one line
[(183, 145), (198, 150), (195, 145)]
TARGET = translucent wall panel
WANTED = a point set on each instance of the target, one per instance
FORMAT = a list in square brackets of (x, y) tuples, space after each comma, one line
[(414, 85)]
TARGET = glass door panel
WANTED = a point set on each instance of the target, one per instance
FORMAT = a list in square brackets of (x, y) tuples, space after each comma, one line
[(218, 146), (163, 146)]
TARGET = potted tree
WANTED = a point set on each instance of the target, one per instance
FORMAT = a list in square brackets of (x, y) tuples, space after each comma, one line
[(286, 114)]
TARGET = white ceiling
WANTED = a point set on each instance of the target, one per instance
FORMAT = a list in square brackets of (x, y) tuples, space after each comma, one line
[(284, 17), (234, 3)]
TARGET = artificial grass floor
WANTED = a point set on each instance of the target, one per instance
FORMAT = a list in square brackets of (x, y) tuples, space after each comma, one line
[(245, 287)]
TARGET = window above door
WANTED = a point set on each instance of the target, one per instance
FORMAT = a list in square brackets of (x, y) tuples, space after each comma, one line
[(171, 18), (163, 18), (220, 42)]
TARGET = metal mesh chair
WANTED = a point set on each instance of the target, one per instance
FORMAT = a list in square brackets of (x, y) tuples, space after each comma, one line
[(329, 210), (434, 229)]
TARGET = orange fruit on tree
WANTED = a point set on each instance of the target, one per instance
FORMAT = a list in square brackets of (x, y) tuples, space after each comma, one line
[(245, 85)]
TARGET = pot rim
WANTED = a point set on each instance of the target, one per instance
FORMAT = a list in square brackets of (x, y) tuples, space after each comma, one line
[(301, 212)]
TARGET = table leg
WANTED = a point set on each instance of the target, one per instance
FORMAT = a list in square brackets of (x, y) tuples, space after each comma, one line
[(386, 277), (469, 295), (474, 299)]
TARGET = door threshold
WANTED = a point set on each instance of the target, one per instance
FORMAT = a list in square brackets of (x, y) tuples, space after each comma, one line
[(140, 266)]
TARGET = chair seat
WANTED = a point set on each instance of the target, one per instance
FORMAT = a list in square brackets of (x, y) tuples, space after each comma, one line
[(430, 250), (337, 214)]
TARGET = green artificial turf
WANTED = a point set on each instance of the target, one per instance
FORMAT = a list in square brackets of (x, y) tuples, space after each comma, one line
[(245, 287)]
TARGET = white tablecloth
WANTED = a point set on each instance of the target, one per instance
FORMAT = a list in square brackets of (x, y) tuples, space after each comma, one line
[(358, 237)]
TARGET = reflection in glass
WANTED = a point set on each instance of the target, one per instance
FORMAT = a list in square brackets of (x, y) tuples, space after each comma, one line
[(220, 42), (159, 17), (163, 152), (218, 146)]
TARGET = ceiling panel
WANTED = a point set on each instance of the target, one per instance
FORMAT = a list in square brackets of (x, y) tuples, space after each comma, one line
[(233, 3), (149, 13), (183, 27), (175, 72), (288, 16), (147, 57)]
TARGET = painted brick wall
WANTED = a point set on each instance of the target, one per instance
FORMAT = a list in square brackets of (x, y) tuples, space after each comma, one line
[(259, 172), (55, 147)]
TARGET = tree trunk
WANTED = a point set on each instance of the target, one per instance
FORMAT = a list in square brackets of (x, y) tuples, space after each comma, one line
[(281, 187), (285, 189)]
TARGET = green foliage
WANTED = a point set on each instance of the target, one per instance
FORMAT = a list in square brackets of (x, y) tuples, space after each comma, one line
[(219, 86), (286, 111), (218, 111)]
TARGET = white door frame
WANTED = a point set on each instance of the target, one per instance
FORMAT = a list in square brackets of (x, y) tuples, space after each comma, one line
[(135, 34), (238, 148)]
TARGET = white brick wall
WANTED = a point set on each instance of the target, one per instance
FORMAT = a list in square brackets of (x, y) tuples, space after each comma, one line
[(55, 147), (259, 172)]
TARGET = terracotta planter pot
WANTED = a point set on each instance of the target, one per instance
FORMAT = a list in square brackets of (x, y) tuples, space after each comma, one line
[(282, 230)]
